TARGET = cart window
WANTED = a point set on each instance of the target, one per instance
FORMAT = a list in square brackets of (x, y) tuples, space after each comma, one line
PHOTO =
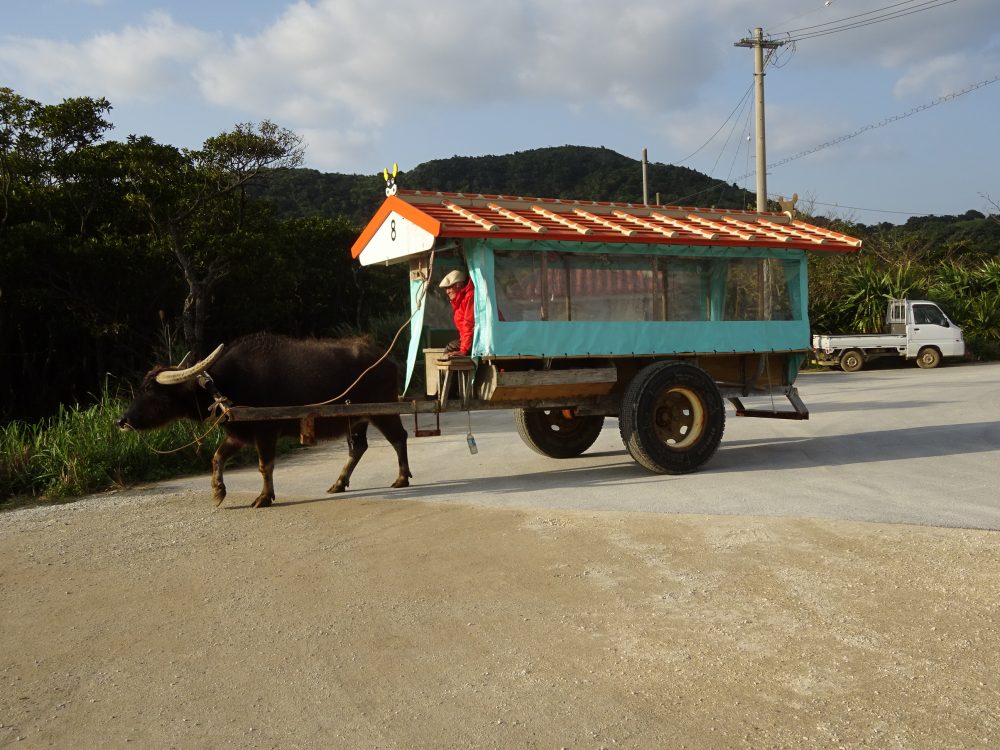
[(598, 287), (623, 288), (517, 277), (583, 287), (757, 289), (688, 283)]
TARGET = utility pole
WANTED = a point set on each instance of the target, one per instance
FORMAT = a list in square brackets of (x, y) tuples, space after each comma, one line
[(759, 44), (645, 181)]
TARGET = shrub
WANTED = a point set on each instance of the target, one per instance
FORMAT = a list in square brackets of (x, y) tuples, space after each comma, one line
[(79, 451)]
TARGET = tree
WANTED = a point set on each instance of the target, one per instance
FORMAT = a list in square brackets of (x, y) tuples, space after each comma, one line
[(183, 193), (989, 199), (46, 152), (16, 132), (57, 301)]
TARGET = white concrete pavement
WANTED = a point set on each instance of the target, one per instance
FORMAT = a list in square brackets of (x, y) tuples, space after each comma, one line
[(897, 445)]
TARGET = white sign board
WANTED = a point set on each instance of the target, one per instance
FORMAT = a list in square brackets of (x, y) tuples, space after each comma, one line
[(396, 239)]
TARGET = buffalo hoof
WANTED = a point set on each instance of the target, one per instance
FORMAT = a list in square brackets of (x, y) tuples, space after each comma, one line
[(263, 501), (337, 487)]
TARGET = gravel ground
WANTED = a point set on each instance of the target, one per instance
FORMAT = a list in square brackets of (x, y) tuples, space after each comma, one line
[(153, 619)]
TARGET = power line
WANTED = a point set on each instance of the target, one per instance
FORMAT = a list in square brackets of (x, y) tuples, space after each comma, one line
[(863, 19), (774, 55), (725, 145), (683, 199), (881, 123), (738, 106), (890, 12), (862, 208), (872, 14), (772, 60), (741, 144), (817, 9), (723, 185), (857, 15)]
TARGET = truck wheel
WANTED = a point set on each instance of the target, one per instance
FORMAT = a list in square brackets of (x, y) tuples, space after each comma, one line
[(851, 361), (557, 433), (672, 417), (928, 358)]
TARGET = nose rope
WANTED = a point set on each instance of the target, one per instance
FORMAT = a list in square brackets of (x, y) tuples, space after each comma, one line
[(221, 403), (196, 441)]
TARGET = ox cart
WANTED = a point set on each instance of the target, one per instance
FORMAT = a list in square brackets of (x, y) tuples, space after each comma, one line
[(583, 310)]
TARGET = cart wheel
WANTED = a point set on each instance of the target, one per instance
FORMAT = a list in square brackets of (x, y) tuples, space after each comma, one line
[(851, 361), (557, 433), (928, 358), (672, 417)]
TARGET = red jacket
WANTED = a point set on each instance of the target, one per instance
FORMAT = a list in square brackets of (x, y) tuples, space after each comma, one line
[(462, 309)]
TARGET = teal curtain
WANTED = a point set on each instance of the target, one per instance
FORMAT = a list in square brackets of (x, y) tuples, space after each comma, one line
[(417, 308)]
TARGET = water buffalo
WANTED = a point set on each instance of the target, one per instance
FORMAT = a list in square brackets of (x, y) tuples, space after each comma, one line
[(269, 370)]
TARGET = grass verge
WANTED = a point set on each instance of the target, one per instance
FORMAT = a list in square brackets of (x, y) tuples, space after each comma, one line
[(81, 451)]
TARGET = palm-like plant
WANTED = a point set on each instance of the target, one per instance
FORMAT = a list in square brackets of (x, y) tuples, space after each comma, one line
[(869, 289), (972, 297)]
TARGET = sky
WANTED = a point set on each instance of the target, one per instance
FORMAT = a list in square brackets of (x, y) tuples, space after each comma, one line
[(368, 84)]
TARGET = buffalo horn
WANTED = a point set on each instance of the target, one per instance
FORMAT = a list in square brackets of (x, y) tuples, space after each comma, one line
[(173, 377)]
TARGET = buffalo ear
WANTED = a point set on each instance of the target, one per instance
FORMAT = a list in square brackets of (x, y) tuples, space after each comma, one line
[(174, 377)]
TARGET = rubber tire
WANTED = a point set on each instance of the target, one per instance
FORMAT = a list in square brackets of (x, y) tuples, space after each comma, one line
[(674, 388), (928, 358), (553, 434), (852, 360)]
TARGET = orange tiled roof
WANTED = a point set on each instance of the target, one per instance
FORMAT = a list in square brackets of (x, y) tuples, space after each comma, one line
[(462, 215)]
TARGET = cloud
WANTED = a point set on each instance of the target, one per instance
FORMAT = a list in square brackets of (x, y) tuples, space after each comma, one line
[(352, 68), (138, 63), (930, 49), (916, 32), (345, 73), (368, 62), (332, 148), (934, 71)]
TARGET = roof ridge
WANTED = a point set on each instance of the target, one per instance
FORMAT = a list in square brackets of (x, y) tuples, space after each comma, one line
[(419, 193)]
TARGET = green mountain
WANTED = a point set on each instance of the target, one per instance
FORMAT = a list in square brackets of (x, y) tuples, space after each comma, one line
[(578, 172)]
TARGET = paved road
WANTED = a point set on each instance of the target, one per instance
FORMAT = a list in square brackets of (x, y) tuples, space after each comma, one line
[(898, 445)]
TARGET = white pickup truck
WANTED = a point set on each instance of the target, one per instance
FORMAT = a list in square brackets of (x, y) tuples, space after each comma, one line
[(914, 329)]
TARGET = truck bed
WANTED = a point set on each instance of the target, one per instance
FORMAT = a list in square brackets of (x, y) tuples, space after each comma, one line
[(840, 342)]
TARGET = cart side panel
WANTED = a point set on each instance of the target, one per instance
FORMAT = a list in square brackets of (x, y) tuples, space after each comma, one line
[(590, 304)]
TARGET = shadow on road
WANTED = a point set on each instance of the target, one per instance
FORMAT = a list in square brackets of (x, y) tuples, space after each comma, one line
[(608, 474), (859, 448), (769, 454), (831, 408)]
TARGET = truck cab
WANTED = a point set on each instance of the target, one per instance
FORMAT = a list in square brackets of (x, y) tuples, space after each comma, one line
[(924, 324)]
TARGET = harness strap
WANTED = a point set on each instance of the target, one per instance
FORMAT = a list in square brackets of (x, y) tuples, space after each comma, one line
[(220, 405)]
